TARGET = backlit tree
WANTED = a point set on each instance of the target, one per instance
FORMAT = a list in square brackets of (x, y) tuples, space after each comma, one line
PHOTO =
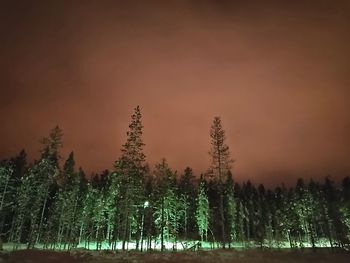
[(220, 165)]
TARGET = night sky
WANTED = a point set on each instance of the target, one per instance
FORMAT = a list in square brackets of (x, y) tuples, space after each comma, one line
[(277, 72)]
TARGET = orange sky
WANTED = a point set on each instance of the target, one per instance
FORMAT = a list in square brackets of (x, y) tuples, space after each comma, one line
[(277, 74)]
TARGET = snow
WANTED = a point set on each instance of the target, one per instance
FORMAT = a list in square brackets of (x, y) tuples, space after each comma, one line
[(178, 246), (218, 255)]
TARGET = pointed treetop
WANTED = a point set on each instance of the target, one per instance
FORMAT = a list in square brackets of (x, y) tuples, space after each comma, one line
[(219, 151), (163, 174), (52, 144), (69, 164), (132, 157)]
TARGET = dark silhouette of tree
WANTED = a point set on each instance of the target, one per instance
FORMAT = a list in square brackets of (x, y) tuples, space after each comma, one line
[(7, 193), (230, 209), (187, 197), (46, 204), (131, 169), (220, 166), (35, 189), (345, 204), (64, 216), (334, 211)]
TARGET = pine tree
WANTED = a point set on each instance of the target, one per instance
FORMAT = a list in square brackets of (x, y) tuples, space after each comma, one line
[(6, 171), (35, 190), (334, 211), (51, 145), (166, 215), (131, 168), (42, 175), (98, 216), (240, 216), (345, 206), (19, 165), (202, 212), (33, 198), (86, 225), (11, 172), (264, 204), (63, 223), (249, 210), (230, 204), (280, 217), (7, 193), (219, 151), (112, 211), (220, 166), (316, 213), (187, 198), (24, 196)]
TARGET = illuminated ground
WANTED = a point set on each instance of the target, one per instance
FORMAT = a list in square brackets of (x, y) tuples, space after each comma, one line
[(245, 256)]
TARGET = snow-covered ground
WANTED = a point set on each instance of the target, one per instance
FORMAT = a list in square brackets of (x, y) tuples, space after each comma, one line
[(173, 246), (219, 255)]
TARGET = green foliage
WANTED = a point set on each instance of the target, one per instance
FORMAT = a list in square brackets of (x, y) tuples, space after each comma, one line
[(57, 207), (6, 187), (166, 216), (131, 170), (167, 208), (231, 210), (202, 213)]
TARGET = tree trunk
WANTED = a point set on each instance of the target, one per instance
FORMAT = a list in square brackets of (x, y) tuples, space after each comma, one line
[(3, 195), (222, 219), (125, 233), (162, 227), (42, 215)]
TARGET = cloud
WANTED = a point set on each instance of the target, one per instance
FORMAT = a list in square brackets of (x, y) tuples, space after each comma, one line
[(276, 75)]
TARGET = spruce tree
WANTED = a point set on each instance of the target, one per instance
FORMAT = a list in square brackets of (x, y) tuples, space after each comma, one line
[(131, 168)]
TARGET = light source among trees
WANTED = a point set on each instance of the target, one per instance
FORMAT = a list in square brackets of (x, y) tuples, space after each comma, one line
[(47, 206)]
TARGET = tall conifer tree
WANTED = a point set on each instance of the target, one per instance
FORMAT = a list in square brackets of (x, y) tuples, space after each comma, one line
[(220, 166), (202, 212), (131, 170)]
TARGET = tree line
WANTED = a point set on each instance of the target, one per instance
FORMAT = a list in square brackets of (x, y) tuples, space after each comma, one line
[(138, 207)]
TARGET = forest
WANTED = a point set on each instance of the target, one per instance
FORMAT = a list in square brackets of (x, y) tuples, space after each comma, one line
[(52, 204)]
